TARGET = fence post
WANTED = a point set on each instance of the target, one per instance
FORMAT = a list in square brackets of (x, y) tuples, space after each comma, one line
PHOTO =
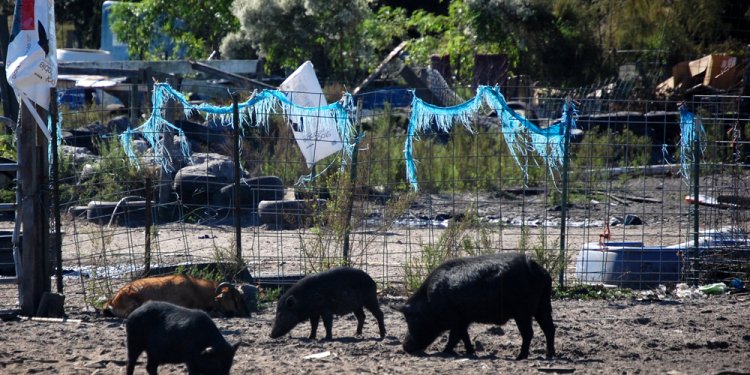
[(33, 176), (568, 113), (352, 189), (56, 189), (148, 223), (237, 171), (696, 190)]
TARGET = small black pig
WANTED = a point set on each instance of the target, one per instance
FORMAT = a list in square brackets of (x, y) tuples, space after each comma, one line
[(173, 334), (337, 291), (483, 289)]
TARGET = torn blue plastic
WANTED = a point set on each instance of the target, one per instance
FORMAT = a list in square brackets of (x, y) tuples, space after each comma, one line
[(520, 134)]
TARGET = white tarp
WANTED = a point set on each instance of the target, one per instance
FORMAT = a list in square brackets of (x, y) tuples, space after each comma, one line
[(316, 133), (31, 66)]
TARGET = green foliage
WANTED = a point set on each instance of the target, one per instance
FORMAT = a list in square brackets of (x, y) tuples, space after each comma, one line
[(468, 237), (206, 273), (602, 149), (237, 46), (545, 252), (590, 292), (161, 29), (85, 15), (453, 35), (267, 296), (111, 177), (8, 148), (286, 33), (97, 290)]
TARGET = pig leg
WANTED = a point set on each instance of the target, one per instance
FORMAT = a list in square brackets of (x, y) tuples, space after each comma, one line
[(314, 326), (328, 324), (527, 333), (378, 314), (548, 327), (132, 357), (459, 334), (151, 366), (360, 315)]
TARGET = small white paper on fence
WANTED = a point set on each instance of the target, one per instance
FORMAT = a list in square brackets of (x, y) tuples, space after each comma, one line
[(316, 135)]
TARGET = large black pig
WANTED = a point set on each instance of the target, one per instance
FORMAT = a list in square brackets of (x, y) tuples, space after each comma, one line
[(173, 334), (337, 291), (483, 289)]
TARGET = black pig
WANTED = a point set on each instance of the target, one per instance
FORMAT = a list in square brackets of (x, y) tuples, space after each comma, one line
[(337, 291), (173, 334), (483, 289)]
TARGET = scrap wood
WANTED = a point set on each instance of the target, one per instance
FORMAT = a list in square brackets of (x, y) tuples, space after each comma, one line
[(557, 370), (318, 355), (734, 200), (625, 198), (380, 67), (236, 78), (708, 200), (50, 320), (612, 196), (641, 199)]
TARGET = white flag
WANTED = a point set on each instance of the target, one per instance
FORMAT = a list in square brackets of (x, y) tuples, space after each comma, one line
[(31, 67), (316, 133)]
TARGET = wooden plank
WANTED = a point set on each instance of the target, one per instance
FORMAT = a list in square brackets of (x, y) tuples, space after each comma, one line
[(236, 78), (175, 67), (8, 167), (380, 67), (51, 320), (413, 80), (109, 72)]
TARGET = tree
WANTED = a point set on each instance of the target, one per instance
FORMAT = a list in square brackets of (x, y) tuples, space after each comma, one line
[(454, 34), (288, 32), (162, 29), (551, 40), (85, 15)]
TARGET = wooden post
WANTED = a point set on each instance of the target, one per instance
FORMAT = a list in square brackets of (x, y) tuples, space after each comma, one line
[(135, 105), (32, 182), (237, 171), (745, 102), (56, 189), (352, 188), (148, 223), (565, 171)]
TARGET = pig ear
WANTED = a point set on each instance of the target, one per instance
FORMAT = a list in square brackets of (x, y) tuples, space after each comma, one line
[(291, 302), (208, 351)]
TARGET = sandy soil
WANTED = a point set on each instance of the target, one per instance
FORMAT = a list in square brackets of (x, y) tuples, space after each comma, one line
[(694, 336)]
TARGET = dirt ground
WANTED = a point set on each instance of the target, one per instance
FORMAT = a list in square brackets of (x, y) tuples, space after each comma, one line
[(702, 335), (707, 335)]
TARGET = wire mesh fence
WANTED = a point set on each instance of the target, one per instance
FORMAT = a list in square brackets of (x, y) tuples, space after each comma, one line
[(624, 209)]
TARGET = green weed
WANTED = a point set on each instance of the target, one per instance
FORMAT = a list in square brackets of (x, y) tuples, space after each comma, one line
[(467, 237)]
